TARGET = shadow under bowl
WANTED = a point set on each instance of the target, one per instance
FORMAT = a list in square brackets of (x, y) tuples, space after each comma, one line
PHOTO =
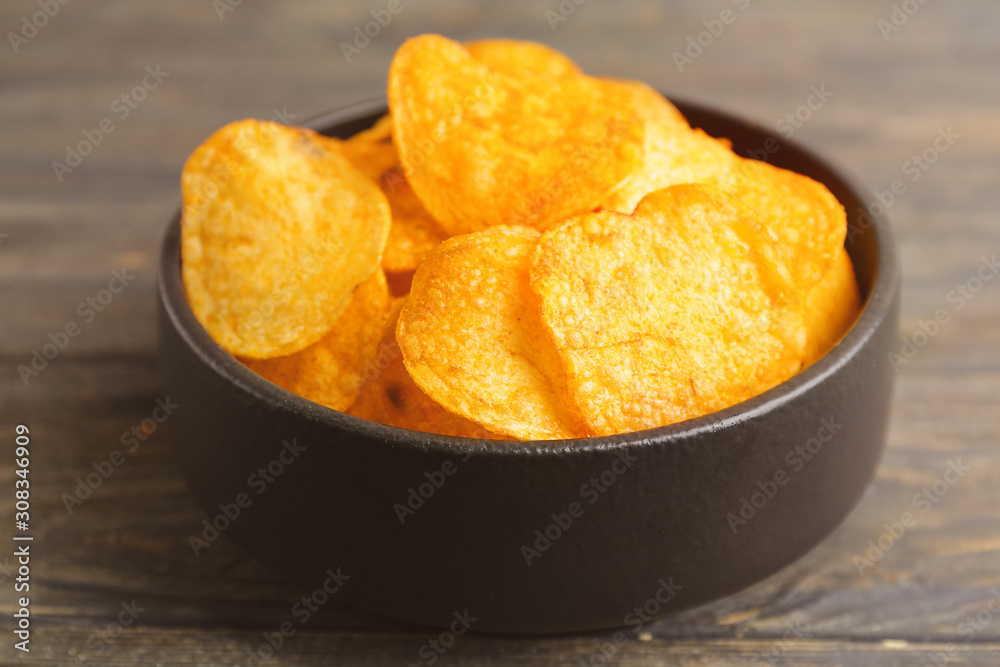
[(538, 536)]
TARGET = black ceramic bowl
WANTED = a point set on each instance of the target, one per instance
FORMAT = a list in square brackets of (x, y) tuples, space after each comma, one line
[(539, 536)]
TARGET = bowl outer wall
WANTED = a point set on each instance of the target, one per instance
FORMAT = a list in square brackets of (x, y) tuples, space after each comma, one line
[(667, 516)]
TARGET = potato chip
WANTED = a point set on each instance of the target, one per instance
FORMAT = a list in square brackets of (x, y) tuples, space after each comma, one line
[(368, 405), (372, 150), (331, 371), (665, 314), (832, 306), (483, 148), (805, 216), (413, 232), (651, 105), (801, 212), (379, 132), (673, 152), (472, 340), (401, 402), (278, 230), (521, 58)]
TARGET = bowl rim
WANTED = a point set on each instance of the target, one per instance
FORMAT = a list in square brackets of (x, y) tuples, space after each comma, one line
[(876, 307)]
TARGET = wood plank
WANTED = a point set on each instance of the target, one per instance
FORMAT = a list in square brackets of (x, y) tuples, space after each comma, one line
[(138, 644), (128, 540)]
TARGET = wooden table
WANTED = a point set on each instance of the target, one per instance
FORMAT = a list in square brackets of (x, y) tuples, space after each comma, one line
[(879, 96)]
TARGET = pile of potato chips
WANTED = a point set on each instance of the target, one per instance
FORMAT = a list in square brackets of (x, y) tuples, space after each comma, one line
[(517, 251)]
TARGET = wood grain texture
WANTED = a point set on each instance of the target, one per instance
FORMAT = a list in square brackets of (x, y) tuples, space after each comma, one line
[(925, 601)]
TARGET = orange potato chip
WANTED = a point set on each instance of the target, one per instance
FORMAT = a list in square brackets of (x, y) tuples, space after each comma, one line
[(400, 402), (369, 404), (331, 371), (832, 306), (413, 232), (278, 230), (483, 148), (372, 150), (472, 340), (801, 212), (521, 58), (673, 153), (665, 314), (805, 216), (651, 105), (379, 132)]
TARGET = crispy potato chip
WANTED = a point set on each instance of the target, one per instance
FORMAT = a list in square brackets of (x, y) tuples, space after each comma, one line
[(651, 105), (832, 306), (413, 232), (331, 371), (278, 230), (801, 212), (472, 340), (369, 404), (522, 58), (663, 315), (673, 153), (379, 132), (805, 216), (483, 148), (400, 402), (372, 150)]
